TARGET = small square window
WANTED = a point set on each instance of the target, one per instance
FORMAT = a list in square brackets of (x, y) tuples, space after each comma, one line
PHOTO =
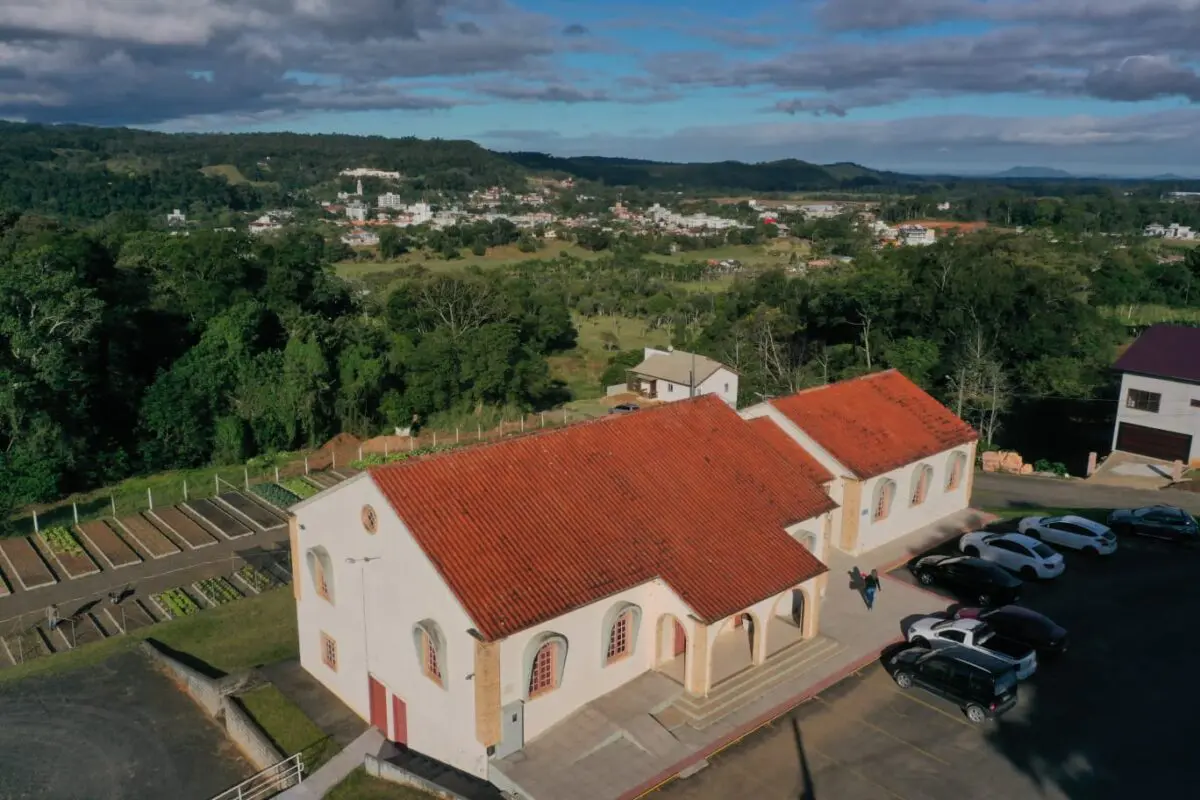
[(670, 388), (1195, 403), (432, 668), (618, 638), (329, 651), (1143, 401), (727, 388)]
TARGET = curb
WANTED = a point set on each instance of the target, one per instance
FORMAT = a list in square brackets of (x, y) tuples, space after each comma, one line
[(667, 776), (986, 519)]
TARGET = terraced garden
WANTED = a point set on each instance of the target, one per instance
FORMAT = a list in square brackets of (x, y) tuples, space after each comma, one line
[(65, 549), (299, 487), (276, 495), (255, 579)]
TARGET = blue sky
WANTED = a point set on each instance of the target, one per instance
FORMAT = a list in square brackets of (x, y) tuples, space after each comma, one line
[(967, 86)]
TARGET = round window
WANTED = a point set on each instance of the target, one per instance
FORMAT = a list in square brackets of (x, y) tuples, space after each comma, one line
[(369, 519)]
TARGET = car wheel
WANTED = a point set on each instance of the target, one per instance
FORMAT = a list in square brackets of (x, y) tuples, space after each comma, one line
[(976, 714), (925, 578), (1028, 573), (920, 641), (971, 550), (985, 600), (903, 680)]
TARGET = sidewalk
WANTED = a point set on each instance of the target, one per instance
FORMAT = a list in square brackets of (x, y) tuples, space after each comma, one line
[(618, 747), (370, 742)]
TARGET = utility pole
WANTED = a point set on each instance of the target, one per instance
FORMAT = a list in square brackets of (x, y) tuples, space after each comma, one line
[(692, 378), (962, 376)]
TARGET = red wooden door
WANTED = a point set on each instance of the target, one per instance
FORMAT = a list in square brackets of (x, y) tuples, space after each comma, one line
[(399, 721), (378, 704), (680, 639)]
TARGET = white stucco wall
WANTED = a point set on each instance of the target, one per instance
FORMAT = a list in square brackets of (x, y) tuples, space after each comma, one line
[(399, 590), (1175, 411), (723, 383), (585, 675), (905, 518)]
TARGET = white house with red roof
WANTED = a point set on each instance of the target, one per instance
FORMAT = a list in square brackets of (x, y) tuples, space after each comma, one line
[(466, 602), (891, 456)]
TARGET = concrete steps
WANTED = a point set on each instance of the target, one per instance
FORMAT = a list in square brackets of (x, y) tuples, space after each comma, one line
[(749, 685)]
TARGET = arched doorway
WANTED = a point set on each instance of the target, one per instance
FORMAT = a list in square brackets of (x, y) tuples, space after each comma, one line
[(671, 654), (786, 623)]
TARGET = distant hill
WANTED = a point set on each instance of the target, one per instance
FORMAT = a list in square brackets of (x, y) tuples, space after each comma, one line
[(790, 175), (1033, 172)]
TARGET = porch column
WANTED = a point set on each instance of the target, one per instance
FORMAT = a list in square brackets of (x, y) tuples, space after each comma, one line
[(760, 639), (811, 624), (851, 506), (699, 661)]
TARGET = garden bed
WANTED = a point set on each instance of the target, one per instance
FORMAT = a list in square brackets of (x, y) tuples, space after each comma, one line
[(299, 487), (274, 495), (217, 591), (147, 536), (22, 647), (175, 603), (187, 529), (25, 564), (66, 551), (255, 579), (245, 507), (105, 541), (222, 521)]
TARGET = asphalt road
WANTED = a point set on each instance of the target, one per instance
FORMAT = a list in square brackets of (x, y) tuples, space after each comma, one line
[(109, 732), (993, 491), (1115, 717)]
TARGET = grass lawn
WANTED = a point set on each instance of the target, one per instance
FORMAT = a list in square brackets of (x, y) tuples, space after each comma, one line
[(358, 785), (1150, 314), (288, 726), (582, 367), (231, 174), (495, 257), (237, 636)]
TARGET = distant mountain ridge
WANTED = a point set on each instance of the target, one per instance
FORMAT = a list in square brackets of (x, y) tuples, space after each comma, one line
[(1032, 172)]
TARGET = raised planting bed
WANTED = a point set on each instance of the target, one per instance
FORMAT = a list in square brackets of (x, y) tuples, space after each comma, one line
[(217, 591), (129, 616), (5, 591), (275, 495), (173, 520), (174, 603), (345, 473), (243, 506), (221, 520), (25, 564), (299, 487), (323, 479), (255, 579), (26, 646), (147, 536), (84, 632), (65, 551), (112, 548)]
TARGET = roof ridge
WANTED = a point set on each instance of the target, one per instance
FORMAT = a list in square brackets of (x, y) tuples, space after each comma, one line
[(867, 377)]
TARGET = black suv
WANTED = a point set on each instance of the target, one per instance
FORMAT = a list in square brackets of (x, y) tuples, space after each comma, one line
[(982, 686), (1157, 522), (970, 578)]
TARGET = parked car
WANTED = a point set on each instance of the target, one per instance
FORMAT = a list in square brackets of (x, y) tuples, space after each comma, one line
[(1072, 532), (624, 408), (936, 633), (1158, 522), (1022, 554), (982, 686), (970, 578), (1023, 625)]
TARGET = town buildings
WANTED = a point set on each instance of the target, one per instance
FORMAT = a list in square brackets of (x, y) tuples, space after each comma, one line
[(468, 602), (671, 375), (1172, 231)]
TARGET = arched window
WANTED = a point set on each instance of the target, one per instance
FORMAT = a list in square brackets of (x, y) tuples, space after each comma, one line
[(545, 658), (620, 628), (956, 466), (808, 539), (430, 646), (922, 478), (885, 493), (320, 569)]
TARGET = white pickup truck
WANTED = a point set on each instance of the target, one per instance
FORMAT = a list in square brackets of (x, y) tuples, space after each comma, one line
[(936, 632)]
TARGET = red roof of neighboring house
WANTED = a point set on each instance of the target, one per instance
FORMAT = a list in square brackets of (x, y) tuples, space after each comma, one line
[(790, 449), (876, 423), (1164, 351), (525, 530)]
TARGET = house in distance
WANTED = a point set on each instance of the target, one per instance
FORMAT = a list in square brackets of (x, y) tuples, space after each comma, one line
[(1158, 414)]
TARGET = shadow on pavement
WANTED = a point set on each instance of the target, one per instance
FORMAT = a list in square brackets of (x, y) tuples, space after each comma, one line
[(808, 789)]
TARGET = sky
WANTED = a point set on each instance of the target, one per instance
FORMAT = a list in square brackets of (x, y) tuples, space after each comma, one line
[(964, 86)]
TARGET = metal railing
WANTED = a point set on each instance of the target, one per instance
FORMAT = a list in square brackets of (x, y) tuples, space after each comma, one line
[(268, 783)]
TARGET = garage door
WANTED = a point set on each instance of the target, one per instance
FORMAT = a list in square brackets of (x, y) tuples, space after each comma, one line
[(1144, 441)]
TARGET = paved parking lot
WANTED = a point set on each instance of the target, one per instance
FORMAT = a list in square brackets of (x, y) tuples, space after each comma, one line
[(1117, 715)]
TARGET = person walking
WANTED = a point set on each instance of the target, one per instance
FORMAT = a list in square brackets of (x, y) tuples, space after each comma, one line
[(52, 619), (871, 587)]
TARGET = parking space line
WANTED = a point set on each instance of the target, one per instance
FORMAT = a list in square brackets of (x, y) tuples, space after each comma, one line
[(932, 707), (893, 736), (855, 771)]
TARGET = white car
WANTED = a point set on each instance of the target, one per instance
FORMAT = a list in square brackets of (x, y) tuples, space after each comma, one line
[(936, 633), (1072, 532), (1022, 554)]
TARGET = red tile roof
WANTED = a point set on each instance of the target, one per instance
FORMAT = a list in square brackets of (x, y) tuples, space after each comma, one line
[(528, 529), (876, 423), (777, 438), (1164, 351)]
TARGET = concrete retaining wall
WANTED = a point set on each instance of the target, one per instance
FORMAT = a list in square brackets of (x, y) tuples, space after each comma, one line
[(214, 697), (390, 772)]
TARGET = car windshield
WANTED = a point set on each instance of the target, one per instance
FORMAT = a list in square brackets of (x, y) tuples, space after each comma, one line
[(983, 633), (1043, 551)]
